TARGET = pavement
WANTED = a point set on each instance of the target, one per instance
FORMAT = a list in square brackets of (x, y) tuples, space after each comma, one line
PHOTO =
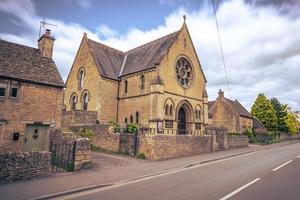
[(110, 170)]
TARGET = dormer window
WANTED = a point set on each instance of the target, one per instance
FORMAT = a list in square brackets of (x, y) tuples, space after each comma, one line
[(81, 76)]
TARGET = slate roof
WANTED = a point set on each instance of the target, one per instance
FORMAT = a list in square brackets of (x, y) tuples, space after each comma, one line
[(108, 60), (27, 64), (113, 63), (235, 105)]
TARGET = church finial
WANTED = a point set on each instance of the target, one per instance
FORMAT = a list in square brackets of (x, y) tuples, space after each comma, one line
[(184, 18)]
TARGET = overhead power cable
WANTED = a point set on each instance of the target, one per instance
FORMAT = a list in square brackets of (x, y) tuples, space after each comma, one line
[(221, 46)]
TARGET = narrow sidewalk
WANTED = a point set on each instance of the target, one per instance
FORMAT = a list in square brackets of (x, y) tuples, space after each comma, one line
[(108, 168)]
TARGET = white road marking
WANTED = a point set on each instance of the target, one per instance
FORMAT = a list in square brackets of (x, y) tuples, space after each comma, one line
[(239, 189), (284, 164), (298, 156)]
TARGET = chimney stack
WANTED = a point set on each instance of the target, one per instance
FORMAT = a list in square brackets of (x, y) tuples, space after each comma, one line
[(45, 44), (221, 94)]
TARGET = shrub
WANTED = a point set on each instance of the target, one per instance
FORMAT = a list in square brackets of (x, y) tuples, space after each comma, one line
[(85, 132), (141, 155), (116, 126), (131, 128)]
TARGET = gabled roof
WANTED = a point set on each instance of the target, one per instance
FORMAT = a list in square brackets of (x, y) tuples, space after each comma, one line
[(237, 107), (113, 63), (27, 64), (108, 60), (146, 56)]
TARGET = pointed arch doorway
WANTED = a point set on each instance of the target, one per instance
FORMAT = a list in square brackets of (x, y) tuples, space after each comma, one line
[(181, 121)]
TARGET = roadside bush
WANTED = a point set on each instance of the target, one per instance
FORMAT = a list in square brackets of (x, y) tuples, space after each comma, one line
[(141, 155), (116, 126), (131, 128), (85, 132)]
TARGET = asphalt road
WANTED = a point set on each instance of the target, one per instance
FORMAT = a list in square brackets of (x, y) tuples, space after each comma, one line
[(269, 174)]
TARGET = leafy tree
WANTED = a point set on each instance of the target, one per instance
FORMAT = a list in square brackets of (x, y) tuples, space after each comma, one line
[(291, 122), (281, 113), (263, 110)]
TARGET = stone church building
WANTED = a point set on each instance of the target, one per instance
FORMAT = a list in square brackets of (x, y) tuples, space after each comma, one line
[(158, 85)]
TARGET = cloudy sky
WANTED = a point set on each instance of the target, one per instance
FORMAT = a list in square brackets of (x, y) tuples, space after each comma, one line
[(261, 38)]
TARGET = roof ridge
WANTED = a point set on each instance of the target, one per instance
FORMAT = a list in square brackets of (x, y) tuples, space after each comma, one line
[(21, 45), (152, 41), (104, 45)]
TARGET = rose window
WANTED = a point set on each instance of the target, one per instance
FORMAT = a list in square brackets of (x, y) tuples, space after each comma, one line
[(184, 72)]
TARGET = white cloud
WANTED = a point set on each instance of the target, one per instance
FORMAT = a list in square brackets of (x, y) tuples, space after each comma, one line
[(260, 46)]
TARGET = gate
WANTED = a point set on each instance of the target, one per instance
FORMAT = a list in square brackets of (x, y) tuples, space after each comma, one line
[(62, 156)]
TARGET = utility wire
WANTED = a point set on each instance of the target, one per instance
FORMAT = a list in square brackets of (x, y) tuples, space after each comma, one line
[(221, 47)]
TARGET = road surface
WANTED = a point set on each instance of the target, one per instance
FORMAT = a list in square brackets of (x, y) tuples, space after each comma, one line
[(268, 174)]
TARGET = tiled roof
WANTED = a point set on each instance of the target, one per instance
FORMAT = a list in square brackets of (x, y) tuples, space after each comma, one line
[(146, 56), (113, 63), (108, 60), (27, 64), (235, 105), (239, 108)]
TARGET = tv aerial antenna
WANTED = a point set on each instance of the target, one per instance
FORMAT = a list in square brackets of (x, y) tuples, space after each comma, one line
[(44, 24)]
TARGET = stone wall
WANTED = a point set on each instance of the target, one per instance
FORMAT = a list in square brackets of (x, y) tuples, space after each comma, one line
[(24, 165), (78, 117), (159, 147), (237, 141)]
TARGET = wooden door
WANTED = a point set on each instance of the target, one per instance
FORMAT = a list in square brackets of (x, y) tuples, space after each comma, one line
[(35, 138)]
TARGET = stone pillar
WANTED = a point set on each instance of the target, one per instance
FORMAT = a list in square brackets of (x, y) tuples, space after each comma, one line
[(82, 153)]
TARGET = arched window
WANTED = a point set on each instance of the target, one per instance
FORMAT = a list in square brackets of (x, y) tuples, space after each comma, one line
[(167, 110), (125, 86), (125, 120), (81, 76), (137, 117), (73, 101), (142, 82), (131, 119), (171, 110), (85, 100), (199, 114)]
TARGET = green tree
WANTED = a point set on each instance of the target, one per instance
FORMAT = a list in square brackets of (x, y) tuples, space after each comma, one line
[(281, 113), (263, 110), (291, 122)]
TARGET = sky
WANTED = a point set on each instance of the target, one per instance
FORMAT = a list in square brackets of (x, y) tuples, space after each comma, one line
[(261, 38)]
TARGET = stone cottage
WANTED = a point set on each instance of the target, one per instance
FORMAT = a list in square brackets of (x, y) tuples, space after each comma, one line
[(229, 114), (31, 95), (159, 85)]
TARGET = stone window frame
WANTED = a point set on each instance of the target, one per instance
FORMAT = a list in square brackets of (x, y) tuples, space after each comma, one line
[(6, 83), (131, 119), (13, 85), (191, 82), (125, 86), (72, 103), (84, 102), (137, 117), (169, 107), (198, 113), (142, 82), (126, 120), (80, 76)]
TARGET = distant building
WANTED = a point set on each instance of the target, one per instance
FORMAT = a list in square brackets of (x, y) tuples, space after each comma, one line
[(31, 95), (159, 85), (229, 114)]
